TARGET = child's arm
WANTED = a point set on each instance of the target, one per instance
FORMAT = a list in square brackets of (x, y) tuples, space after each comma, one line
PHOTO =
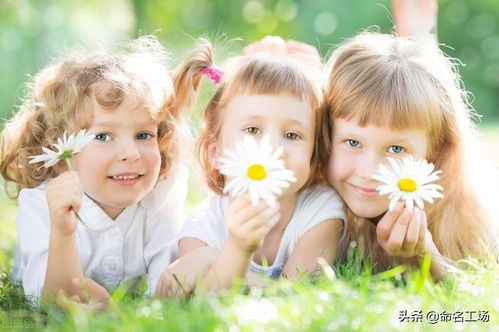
[(276, 46), (320, 241), (404, 234), (247, 226), (64, 198), (415, 18)]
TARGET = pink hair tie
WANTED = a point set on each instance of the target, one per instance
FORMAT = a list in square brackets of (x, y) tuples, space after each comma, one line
[(215, 74)]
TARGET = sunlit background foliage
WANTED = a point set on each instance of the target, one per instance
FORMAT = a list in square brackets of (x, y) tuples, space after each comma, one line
[(33, 31)]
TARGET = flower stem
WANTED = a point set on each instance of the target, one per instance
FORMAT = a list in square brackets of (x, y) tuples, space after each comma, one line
[(68, 164), (70, 168)]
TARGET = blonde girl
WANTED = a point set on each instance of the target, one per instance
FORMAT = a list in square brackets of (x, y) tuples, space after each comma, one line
[(128, 185), (389, 96), (260, 95)]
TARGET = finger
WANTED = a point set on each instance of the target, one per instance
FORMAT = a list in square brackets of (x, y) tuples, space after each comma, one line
[(98, 307), (250, 212), (271, 223), (274, 41), (385, 225), (167, 282), (75, 298), (274, 219), (248, 49), (423, 229), (63, 301), (412, 235), (159, 286), (240, 202), (81, 293), (296, 46), (397, 236), (74, 202), (172, 290), (260, 220), (95, 290)]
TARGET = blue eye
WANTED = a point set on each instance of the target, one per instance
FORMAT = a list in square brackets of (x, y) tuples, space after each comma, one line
[(353, 143), (144, 136), (102, 137), (396, 149), (252, 130)]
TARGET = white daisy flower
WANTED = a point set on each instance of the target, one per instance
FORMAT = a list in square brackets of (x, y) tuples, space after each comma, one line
[(66, 147), (253, 167), (408, 180)]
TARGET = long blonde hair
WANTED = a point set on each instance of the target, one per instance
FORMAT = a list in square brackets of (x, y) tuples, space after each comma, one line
[(262, 75), (59, 100), (384, 80)]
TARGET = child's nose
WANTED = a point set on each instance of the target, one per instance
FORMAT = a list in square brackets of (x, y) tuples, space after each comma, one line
[(275, 140), (367, 165), (129, 151)]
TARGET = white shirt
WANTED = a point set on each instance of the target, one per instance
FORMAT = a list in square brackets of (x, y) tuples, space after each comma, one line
[(142, 239), (314, 205)]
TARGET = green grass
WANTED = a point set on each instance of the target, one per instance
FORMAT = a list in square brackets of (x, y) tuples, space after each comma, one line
[(350, 301), (346, 298)]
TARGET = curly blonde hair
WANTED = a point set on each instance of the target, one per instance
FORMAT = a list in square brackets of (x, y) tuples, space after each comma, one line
[(59, 100), (384, 80)]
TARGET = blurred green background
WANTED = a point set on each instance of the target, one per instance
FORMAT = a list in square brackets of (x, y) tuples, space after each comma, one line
[(34, 31)]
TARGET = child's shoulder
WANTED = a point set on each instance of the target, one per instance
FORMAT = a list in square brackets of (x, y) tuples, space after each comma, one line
[(213, 205), (36, 194), (319, 194), (320, 202), (33, 202)]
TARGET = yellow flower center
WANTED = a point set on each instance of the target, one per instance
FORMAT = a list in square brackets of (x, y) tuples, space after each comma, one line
[(257, 172), (408, 185)]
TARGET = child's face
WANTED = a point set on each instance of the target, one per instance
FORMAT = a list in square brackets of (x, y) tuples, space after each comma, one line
[(121, 165), (355, 156), (288, 121)]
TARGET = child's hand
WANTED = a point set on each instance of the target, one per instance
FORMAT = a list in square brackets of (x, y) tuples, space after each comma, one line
[(272, 45), (64, 199), (304, 53), (92, 297), (403, 233), (179, 278), (415, 18), (247, 224)]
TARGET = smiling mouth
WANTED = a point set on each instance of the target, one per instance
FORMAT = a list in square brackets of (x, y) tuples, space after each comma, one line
[(126, 178), (365, 191)]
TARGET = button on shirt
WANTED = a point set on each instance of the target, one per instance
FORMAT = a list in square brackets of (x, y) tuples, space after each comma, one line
[(142, 239)]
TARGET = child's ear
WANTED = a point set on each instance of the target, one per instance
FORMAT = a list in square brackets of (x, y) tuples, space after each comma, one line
[(213, 151)]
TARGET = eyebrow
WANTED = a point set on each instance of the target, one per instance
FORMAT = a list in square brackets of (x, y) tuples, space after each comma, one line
[(394, 141), (260, 118), (115, 123)]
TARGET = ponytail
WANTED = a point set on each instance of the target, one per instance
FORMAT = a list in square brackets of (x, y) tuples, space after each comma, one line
[(187, 76)]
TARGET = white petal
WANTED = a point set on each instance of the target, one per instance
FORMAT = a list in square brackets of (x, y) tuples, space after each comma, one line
[(409, 202), (253, 194), (386, 189), (419, 202), (391, 206)]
